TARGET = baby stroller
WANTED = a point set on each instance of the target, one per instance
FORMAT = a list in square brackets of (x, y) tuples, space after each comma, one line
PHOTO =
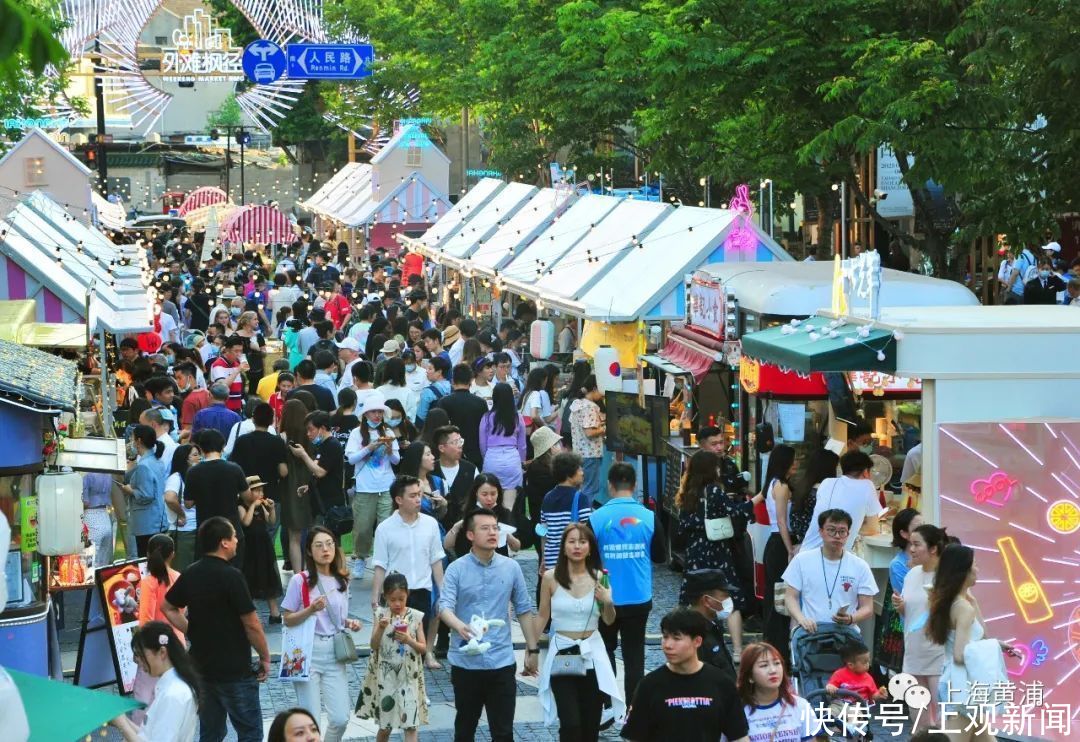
[(815, 658)]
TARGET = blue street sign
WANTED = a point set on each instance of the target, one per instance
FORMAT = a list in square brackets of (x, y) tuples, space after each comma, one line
[(263, 61), (329, 61)]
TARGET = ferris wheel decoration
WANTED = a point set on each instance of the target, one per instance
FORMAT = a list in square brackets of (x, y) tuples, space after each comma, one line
[(107, 32)]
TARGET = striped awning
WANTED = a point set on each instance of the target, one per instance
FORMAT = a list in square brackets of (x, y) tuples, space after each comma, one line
[(197, 219), (257, 223), (202, 196)]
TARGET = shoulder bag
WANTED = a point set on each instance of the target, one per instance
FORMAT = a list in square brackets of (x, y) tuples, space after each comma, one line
[(717, 529), (344, 646)]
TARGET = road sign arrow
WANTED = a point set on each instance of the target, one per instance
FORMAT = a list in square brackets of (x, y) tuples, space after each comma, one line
[(302, 61), (358, 62)]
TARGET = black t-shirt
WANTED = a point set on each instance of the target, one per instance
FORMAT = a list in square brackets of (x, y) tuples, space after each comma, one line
[(342, 425), (216, 596), (215, 487), (323, 344), (254, 353), (694, 707), (331, 456), (260, 452), (322, 395)]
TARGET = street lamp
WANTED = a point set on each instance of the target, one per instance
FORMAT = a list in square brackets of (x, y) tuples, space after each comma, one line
[(842, 188)]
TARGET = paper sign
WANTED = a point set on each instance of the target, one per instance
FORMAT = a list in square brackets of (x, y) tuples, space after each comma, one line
[(792, 422)]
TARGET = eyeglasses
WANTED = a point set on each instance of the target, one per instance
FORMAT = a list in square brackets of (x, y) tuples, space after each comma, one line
[(836, 532), (455, 441), (322, 544)]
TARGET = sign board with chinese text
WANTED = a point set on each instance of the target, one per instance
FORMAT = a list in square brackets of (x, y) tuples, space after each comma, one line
[(878, 384), (329, 61), (710, 310), (201, 50)]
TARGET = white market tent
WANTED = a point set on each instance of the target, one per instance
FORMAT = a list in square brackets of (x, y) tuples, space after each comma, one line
[(38, 231), (532, 218), (108, 214), (496, 212), (332, 188), (591, 256), (467, 207)]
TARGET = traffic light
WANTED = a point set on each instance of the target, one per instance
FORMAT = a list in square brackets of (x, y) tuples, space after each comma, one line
[(243, 137)]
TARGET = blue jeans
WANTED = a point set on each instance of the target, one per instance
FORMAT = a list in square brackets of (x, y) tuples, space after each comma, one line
[(591, 486), (237, 698)]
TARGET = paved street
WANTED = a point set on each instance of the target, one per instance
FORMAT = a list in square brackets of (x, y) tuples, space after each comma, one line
[(277, 696)]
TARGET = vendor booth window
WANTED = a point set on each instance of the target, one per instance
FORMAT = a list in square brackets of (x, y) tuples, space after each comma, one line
[(414, 156), (35, 171), (22, 570)]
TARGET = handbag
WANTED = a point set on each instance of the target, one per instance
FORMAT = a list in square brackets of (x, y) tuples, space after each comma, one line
[(344, 646), (717, 529), (297, 644), (339, 519)]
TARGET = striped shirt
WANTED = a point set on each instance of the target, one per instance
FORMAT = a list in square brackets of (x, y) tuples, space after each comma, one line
[(555, 514), (219, 371)]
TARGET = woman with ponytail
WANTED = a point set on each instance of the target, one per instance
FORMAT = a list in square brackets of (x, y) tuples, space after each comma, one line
[(160, 552), (173, 716), (144, 488)]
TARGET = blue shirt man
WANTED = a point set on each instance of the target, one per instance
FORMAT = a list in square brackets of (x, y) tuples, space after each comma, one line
[(630, 539), (483, 584)]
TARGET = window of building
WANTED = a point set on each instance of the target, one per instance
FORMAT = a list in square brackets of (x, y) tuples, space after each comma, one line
[(35, 171), (414, 156), (161, 40)]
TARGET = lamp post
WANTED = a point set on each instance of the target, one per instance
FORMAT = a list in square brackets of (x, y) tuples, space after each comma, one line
[(842, 188)]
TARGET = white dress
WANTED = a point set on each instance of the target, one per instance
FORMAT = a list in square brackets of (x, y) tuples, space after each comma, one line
[(921, 655), (953, 687)]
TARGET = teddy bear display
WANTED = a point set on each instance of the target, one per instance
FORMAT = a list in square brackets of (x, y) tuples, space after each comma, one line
[(479, 626)]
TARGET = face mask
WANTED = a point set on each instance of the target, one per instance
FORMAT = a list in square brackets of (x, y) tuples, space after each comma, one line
[(372, 424), (235, 311), (317, 440), (410, 367), (868, 449), (727, 608), (1044, 274), (170, 360), (394, 422)]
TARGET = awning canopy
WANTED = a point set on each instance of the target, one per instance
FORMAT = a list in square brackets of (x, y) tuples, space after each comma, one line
[(485, 222), (198, 219), (454, 220), (819, 344), (692, 351), (519, 230), (347, 183), (201, 197), (108, 214), (413, 200), (257, 223), (36, 380)]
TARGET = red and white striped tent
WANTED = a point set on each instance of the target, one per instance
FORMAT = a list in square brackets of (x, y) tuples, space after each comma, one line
[(257, 223), (202, 196)]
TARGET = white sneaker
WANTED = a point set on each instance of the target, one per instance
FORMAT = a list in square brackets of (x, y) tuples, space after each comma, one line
[(358, 569)]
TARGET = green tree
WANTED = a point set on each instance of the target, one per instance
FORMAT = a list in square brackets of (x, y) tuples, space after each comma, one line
[(228, 114), (28, 46)]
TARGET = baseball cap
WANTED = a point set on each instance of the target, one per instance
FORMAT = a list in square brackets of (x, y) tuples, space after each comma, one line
[(482, 362), (1052, 247), (350, 343)]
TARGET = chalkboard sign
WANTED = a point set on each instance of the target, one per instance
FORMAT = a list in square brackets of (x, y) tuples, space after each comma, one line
[(110, 619), (636, 430)]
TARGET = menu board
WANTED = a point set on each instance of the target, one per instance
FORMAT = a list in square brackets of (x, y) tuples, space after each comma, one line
[(116, 599)]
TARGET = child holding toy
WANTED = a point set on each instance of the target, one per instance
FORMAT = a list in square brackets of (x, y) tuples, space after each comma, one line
[(393, 692)]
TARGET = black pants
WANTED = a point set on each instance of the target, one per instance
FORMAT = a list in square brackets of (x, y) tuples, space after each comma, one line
[(629, 631), (421, 601), (141, 542), (776, 624), (579, 703), (494, 691)]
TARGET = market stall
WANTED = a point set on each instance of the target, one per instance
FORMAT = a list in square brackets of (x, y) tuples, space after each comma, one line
[(1000, 464), (256, 223), (202, 197), (35, 388)]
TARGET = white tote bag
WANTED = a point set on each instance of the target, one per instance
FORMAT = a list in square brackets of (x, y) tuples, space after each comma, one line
[(297, 644)]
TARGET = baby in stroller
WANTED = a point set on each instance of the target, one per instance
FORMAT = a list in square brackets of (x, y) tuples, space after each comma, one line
[(833, 671)]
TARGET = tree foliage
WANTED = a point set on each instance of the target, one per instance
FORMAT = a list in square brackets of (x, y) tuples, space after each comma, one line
[(978, 93)]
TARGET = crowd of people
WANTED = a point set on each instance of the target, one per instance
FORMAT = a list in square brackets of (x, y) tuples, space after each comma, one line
[(426, 440)]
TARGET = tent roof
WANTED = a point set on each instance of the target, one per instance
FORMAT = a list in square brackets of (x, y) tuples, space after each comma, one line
[(485, 222), (522, 273), (109, 215), (331, 189), (37, 379), (60, 149), (467, 207), (530, 219), (36, 226), (799, 289)]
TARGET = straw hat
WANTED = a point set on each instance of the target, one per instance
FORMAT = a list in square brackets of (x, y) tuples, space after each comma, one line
[(255, 482), (390, 347), (543, 439), (450, 336)]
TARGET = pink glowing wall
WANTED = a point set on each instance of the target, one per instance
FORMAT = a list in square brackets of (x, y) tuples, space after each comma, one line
[(1015, 487)]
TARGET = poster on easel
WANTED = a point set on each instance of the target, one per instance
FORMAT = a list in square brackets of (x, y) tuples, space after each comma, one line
[(110, 619)]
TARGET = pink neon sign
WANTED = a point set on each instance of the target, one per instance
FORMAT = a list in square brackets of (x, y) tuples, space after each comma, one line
[(742, 237)]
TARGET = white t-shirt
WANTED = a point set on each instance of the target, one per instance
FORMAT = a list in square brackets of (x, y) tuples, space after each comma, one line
[(856, 497), (175, 484), (825, 585), (780, 722), (169, 331), (417, 380), (483, 392), (449, 474), (455, 349), (538, 399)]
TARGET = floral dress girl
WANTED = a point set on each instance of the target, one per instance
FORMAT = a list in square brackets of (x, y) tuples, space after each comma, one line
[(393, 692)]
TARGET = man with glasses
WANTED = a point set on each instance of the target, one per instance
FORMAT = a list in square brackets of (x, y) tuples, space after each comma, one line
[(828, 588), (457, 472)]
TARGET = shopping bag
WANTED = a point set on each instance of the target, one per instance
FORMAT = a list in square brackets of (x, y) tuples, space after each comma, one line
[(297, 644)]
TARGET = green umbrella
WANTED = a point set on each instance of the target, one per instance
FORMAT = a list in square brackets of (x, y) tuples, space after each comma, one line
[(58, 712)]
